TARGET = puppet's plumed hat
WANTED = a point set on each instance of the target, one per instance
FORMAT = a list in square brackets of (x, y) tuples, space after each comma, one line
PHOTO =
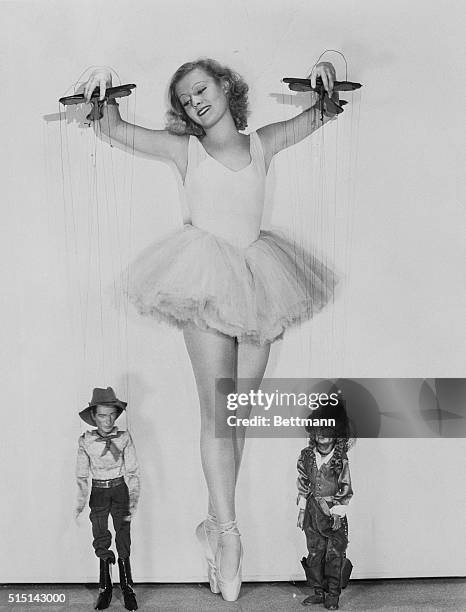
[(102, 397)]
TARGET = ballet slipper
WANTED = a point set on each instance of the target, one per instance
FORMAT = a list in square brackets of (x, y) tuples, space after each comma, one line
[(203, 530), (229, 588)]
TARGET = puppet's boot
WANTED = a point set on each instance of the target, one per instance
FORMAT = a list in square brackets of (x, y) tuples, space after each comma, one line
[(309, 577), (105, 585), (331, 602), (317, 598), (126, 584)]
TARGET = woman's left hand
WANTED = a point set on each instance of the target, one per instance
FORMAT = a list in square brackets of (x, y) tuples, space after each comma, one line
[(326, 72)]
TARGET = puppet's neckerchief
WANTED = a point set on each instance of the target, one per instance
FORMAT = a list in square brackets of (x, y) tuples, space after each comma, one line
[(109, 444)]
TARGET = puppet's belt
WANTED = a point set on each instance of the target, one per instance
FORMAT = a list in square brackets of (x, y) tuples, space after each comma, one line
[(324, 503), (108, 484)]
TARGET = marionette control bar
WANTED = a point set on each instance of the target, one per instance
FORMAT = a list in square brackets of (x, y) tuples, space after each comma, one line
[(296, 84), (110, 94), (328, 106)]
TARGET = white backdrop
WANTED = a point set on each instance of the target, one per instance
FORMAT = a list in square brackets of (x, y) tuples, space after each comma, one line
[(399, 314)]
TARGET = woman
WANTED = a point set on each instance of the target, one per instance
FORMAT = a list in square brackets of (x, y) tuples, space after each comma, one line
[(232, 288)]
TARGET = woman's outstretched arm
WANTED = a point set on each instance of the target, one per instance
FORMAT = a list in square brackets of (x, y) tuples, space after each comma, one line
[(159, 143), (278, 136)]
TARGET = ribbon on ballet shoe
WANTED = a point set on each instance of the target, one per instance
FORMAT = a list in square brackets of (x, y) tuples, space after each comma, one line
[(228, 528)]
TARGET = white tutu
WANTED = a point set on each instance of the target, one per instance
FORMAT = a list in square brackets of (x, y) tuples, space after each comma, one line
[(251, 293)]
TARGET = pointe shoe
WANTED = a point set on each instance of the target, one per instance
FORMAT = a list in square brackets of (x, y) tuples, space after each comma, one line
[(229, 588), (202, 533)]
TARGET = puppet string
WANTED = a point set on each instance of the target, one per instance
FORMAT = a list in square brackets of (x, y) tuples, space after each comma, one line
[(329, 192), (96, 183), (332, 51)]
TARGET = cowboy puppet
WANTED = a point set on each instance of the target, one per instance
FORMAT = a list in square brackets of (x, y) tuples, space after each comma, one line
[(109, 456)]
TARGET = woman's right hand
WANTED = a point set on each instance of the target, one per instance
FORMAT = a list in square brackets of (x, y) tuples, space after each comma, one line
[(99, 78)]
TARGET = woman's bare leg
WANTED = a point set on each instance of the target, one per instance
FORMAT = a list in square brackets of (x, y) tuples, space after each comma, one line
[(213, 356), (251, 364)]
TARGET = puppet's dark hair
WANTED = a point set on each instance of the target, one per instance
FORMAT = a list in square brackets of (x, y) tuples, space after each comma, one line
[(341, 431), (178, 121), (341, 448)]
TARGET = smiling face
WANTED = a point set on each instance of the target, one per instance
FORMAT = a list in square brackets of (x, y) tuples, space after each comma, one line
[(105, 417), (325, 440), (202, 97)]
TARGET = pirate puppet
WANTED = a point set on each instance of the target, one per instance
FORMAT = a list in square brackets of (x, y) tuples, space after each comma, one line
[(324, 491)]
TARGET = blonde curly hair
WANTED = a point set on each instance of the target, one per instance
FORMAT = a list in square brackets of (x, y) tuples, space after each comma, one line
[(178, 121)]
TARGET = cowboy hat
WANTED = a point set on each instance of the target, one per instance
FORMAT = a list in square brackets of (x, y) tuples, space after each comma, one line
[(102, 397)]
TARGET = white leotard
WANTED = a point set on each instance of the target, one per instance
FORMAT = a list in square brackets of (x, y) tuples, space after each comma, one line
[(227, 203)]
